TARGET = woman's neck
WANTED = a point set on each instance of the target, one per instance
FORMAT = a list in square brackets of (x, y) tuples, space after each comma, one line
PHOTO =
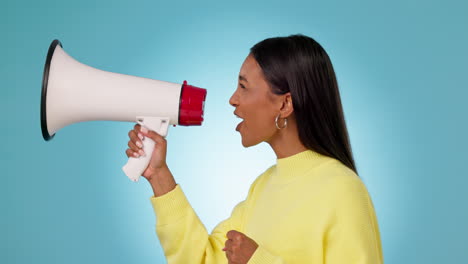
[(286, 142)]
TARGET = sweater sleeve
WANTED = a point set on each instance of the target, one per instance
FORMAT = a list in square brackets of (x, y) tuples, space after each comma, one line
[(263, 256), (182, 235), (353, 235)]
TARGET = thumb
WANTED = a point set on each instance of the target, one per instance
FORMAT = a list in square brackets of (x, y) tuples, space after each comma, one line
[(153, 135)]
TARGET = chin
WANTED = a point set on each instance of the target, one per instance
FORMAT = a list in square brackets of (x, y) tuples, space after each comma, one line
[(246, 143)]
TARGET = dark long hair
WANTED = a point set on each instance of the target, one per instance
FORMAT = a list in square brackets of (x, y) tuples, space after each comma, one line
[(298, 64)]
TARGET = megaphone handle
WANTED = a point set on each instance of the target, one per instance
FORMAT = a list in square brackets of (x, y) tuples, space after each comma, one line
[(136, 166)]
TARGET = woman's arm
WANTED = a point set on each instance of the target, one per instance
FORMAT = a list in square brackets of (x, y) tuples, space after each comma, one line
[(162, 181), (353, 234), (183, 237)]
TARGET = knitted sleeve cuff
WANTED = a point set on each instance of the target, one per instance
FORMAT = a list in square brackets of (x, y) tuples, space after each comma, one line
[(262, 256), (170, 207)]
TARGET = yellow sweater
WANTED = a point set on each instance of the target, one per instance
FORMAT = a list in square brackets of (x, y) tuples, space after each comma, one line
[(307, 209)]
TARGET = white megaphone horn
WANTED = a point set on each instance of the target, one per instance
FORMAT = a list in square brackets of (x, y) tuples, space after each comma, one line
[(74, 92)]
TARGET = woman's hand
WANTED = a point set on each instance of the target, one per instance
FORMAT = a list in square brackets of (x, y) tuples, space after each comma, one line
[(157, 173), (158, 157), (239, 247)]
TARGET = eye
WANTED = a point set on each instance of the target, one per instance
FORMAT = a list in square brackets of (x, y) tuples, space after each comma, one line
[(241, 85)]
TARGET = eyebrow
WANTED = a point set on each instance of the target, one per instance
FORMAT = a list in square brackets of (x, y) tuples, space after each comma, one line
[(242, 78)]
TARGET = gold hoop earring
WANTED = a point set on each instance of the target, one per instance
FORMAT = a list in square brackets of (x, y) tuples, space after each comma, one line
[(285, 124)]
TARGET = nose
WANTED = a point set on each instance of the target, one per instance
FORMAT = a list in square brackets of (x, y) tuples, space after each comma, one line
[(234, 100)]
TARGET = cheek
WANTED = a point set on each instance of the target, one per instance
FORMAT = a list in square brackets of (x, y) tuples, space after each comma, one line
[(260, 118), (260, 123), (264, 111)]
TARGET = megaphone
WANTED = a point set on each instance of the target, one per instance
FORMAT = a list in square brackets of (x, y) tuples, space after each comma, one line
[(73, 92)]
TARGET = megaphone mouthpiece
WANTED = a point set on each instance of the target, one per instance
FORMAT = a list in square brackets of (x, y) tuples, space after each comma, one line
[(192, 104)]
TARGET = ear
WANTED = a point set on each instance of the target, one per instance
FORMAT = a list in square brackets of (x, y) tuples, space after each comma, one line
[(287, 106)]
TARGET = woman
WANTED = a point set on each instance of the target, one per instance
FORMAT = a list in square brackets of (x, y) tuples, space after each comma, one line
[(311, 206)]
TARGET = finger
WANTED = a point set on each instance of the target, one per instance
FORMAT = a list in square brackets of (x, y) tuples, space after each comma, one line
[(135, 138), (136, 149), (132, 146), (130, 153), (233, 234), (137, 127), (228, 255), (228, 244), (144, 129)]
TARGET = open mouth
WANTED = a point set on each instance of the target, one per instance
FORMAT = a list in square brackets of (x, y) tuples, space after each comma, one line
[(240, 124)]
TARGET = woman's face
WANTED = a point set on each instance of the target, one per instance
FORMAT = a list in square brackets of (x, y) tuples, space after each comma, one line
[(255, 104)]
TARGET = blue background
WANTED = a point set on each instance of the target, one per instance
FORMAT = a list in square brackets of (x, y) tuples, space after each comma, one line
[(401, 68)]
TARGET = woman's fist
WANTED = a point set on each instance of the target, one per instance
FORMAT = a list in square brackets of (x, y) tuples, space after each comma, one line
[(239, 247)]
